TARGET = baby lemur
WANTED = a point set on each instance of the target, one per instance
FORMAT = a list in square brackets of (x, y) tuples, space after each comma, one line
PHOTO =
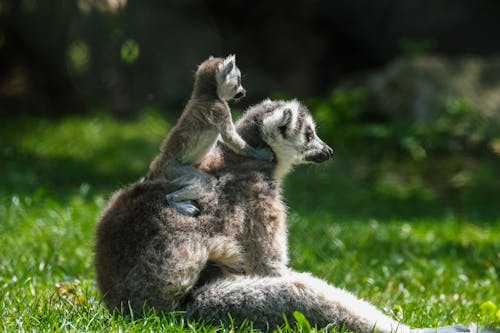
[(205, 116)]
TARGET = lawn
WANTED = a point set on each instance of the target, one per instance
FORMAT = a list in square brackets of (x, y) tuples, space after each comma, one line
[(422, 261)]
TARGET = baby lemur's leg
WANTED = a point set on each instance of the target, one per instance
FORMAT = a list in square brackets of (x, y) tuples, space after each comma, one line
[(194, 185), (238, 145)]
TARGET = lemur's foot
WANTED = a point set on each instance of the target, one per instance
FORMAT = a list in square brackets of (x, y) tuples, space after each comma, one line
[(458, 328), (184, 207), (264, 154), (187, 208)]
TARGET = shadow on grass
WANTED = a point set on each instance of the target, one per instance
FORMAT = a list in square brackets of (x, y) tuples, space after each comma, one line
[(61, 156), (63, 176), (336, 189), (345, 250), (60, 163), (329, 188)]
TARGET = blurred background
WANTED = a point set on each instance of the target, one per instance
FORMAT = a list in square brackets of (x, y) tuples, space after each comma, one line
[(406, 92)]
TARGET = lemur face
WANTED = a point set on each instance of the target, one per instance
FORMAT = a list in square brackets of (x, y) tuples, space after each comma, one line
[(290, 131), (229, 80)]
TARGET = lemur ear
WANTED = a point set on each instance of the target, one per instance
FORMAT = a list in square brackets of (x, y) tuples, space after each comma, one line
[(287, 117), (230, 58), (281, 119), (227, 66), (286, 123)]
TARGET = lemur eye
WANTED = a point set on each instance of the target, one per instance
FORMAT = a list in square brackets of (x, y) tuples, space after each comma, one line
[(309, 135), (282, 130)]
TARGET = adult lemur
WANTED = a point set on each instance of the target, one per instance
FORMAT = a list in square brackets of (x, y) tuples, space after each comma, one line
[(232, 258), (205, 116)]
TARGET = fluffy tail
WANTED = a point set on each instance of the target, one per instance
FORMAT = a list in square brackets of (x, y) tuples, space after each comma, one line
[(265, 301)]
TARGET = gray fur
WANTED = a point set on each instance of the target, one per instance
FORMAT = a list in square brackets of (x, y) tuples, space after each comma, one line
[(233, 257), (205, 116), (227, 69)]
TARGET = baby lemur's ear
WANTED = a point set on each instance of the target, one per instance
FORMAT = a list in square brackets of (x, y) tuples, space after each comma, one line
[(226, 67)]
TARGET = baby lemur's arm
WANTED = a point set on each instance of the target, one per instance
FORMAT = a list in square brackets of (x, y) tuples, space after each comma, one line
[(222, 120)]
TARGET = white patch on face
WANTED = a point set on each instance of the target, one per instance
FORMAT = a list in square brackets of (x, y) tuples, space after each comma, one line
[(285, 148), (286, 158), (294, 107), (228, 82)]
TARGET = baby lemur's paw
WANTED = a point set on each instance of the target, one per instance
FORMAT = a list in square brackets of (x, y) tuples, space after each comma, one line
[(264, 154), (185, 207)]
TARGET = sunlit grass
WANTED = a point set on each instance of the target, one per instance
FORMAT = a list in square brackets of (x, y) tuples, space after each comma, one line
[(416, 262), (431, 272)]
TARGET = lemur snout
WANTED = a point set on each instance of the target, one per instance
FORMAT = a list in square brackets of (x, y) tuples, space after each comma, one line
[(325, 154), (240, 94), (321, 156)]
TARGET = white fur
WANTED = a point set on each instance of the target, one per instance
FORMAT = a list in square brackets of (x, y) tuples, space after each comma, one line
[(290, 150), (267, 101), (279, 118), (293, 105), (286, 157), (224, 251), (228, 85)]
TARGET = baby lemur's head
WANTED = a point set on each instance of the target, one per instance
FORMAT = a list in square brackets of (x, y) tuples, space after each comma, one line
[(229, 80), (220, 77)]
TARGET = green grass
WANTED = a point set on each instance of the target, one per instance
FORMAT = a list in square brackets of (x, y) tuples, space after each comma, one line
[(424, 261)]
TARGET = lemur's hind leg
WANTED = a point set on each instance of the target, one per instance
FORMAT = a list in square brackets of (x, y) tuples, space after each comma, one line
[(194, 185)]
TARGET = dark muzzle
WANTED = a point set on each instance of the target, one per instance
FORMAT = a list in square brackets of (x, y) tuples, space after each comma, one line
[(240, 94), (324, 155)]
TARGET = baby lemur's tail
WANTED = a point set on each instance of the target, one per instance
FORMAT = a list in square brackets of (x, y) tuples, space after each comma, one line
[(266, 300)]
